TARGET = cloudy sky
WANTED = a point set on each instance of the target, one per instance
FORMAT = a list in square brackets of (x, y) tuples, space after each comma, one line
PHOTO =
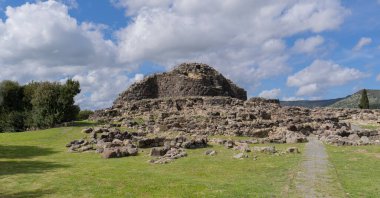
[(288, 49)]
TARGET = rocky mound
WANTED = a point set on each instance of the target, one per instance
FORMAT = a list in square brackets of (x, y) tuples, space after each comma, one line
[(178, 101), (187, 79)]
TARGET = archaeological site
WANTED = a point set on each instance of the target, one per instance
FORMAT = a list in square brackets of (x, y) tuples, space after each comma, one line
[(194, 105)]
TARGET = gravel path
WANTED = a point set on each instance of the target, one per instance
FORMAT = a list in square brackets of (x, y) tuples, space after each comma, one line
[(314, 178)]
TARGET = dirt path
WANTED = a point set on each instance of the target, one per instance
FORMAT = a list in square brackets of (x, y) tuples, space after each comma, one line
[(316, 178)]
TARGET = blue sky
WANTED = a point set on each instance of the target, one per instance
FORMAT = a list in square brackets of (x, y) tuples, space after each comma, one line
[(291, 49)]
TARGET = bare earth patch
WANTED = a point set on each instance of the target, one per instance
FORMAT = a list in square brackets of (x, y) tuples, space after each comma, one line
[(315, 177)]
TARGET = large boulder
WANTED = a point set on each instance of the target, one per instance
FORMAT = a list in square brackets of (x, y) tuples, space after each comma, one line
[(187, 79)]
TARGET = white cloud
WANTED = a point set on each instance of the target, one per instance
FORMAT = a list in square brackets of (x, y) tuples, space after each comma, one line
[(362, 42), (309, 89), (134, 6), (41, 41), (378, 77), (308, 45), (292, 98), (271, 94), (138, 77), (101, 86), (321, 75), (69, 3), (246, 37)]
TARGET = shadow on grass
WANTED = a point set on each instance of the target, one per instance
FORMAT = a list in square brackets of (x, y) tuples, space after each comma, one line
[(11, 167), (29, 194), (23, 167), (16, 151)]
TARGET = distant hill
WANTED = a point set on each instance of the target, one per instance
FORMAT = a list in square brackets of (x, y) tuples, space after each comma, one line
[(310, 103), (351, 101)]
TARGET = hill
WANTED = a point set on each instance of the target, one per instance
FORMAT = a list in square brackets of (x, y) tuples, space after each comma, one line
[(350, 101), (310, 103), (353, 100)]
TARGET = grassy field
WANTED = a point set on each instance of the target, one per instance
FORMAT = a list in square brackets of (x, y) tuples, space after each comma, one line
[(36, 164), (357, 169)]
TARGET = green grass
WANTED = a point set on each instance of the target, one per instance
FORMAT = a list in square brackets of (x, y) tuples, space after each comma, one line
[(357, 169), (370, 126), (36, 164)]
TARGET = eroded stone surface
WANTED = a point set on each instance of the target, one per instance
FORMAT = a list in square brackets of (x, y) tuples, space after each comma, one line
[(187, 79)]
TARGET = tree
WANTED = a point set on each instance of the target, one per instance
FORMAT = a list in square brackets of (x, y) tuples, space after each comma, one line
[(53, 103), (11, 94), (45, 111), (84, 115), (364, 103), (37, 104), (11, 106), (66, 100)]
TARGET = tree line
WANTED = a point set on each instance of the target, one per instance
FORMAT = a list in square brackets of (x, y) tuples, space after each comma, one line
[(37, 105)]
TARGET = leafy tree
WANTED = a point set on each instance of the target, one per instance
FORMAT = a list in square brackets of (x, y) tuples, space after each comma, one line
[(364, 103), (11, 106), (84, 115), (66, 100), (11, 94), (13, 121), (45, 112), (37, 104)]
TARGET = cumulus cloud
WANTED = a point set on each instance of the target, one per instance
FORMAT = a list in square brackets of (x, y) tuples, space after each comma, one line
[(41, 41), (70, 3), (271, 94), (172, 31), (362, 42), (100, 87), (308, 45), (292, 98), (320, 75)]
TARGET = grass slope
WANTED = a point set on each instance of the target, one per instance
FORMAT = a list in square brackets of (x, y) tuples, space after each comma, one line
[(357, 169), (36, 164), (310, 103), (353, 100)]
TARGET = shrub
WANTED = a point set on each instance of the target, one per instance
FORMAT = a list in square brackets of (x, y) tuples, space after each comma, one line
[(84, 115), (37, 104)]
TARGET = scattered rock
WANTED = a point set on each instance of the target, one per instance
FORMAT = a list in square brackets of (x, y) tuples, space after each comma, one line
[(229, 144), (109, 153), (364, 140), (292, 150), (240, 156), (87, 130), (210, 152), (172, 154), (119, 152), (244, 147), (158, 151), (265, 149)]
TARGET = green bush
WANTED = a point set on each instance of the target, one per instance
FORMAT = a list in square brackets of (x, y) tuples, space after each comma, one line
[(37, 104), (84, 115)]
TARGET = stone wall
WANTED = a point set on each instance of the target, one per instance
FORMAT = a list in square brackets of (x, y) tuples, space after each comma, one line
[(256, 117), (188, 79)]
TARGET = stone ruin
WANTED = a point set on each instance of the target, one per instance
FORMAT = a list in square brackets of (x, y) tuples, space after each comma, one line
[(188, 79), (195, 101)]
